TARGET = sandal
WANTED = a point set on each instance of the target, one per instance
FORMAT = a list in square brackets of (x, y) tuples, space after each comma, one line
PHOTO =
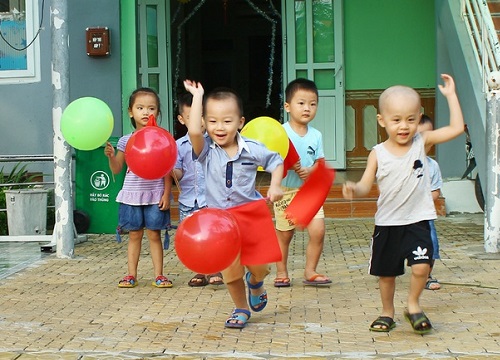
[(313, 280), (256, 302), (238, 315), (432, 284), (419, 322), (383, 324), (162, 282), (282, 282), (215, 279), (128, 281), (198, 280)]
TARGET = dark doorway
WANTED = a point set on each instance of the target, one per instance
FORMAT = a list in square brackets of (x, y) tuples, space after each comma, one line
[(231, 43)]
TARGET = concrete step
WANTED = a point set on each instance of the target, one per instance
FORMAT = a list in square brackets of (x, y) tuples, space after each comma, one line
[(335, 205)]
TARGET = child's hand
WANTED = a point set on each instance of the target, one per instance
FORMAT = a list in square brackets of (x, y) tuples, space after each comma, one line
[(164, 203), (109, 150), (296, 166), (274, 193), (304, 172), (349, 190), (449, 85), (193, 87)]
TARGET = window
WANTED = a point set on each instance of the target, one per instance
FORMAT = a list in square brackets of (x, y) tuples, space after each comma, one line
[(19, 43)]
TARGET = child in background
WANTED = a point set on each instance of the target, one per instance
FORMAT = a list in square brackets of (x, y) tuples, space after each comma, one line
[(191, 183), (436, 184), (405, 204), (143, 203), (301, 103), (230, 165)]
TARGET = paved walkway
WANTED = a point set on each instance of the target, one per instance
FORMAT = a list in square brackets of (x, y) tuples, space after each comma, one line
[(73, 309)]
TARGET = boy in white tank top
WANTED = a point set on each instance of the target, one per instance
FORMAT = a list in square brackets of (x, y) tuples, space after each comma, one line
[(405, 203)]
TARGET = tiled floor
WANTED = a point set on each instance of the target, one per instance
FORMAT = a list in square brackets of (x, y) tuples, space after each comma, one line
[(15, 256), (73, 309)]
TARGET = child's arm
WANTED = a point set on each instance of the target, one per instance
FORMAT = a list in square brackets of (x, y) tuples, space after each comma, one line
[(351, 189), (117, 160), (178, 173), (275, 193), (164, 203), (193, 123), (456, 126)]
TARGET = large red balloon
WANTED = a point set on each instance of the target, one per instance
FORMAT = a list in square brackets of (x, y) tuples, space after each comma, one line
[(151, 152), (208, 241)]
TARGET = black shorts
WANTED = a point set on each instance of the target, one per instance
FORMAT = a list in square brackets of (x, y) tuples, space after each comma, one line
[(391, 245)]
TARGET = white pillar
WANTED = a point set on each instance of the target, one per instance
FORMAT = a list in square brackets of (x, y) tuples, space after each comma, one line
[(64, 228), (492, 184)]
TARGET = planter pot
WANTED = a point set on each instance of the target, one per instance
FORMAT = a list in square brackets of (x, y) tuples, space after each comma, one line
[(26, 211)]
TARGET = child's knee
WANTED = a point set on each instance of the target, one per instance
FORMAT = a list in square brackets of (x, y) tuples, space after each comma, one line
[(421, 270)]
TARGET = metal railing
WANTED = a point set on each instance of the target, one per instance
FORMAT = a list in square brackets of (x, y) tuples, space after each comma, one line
[(484, 39), (25, 158)]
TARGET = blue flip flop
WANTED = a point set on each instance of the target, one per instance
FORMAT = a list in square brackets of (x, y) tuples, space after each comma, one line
[(236, 315), (256, 300)]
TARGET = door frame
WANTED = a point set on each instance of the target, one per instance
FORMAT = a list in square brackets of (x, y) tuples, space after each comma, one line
[(333, 100)]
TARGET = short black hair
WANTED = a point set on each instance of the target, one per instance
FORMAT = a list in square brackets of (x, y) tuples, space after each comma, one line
[(184, 99), (425, 119), (222, 93), (299, 84)]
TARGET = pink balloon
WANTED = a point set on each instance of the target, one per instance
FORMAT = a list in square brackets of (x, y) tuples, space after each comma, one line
[(208, 241), (151, 152)]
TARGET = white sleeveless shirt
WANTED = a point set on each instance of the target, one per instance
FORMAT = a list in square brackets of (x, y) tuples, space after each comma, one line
[(405, 192)]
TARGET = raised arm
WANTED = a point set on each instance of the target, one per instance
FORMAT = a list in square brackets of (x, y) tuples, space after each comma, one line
[(193, 122), (456, 126)]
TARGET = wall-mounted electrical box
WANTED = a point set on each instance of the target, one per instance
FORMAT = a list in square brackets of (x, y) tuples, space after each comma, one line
[(97, 41)]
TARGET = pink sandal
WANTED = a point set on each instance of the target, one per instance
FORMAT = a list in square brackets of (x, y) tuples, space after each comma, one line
[(128, 282), (162, 282)]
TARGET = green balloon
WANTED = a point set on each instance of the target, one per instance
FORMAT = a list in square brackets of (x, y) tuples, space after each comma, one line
[(87, 123)]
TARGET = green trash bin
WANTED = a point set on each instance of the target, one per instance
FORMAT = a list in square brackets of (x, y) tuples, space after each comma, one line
[(96, 189)]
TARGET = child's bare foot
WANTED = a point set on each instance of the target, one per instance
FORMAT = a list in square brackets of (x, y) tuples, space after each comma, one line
[(317, 279), (282, 279)]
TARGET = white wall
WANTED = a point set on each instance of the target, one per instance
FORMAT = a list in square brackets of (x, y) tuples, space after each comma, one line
[(460, 196)]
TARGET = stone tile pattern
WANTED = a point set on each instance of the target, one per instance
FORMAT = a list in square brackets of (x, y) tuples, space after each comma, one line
[(73, 309)]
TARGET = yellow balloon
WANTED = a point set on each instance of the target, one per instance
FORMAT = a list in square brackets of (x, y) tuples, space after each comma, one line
[(269, 132)]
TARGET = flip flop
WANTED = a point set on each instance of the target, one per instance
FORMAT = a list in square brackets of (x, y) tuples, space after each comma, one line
[(256, 300), (312, 280), (282, 282), (198, 280)]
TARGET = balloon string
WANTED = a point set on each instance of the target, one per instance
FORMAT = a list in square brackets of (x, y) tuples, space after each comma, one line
[(113, 176), (176, 181)]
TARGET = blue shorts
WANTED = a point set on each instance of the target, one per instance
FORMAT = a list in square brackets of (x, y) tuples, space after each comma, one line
[(137, 217), (435, 242), (185, 211)]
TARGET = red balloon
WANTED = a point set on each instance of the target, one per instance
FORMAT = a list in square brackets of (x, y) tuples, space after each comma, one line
[(208, 241), (151, 152)]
